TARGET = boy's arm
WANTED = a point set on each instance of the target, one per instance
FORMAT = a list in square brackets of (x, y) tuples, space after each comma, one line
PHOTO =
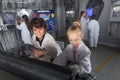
[(35, 51)]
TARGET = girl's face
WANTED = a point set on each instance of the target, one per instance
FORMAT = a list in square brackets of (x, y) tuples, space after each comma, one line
[(39, 32), (74, 39), (84, 14)]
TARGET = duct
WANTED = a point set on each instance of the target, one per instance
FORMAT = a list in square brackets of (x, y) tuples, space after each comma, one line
[(93, 3), (31, 69)]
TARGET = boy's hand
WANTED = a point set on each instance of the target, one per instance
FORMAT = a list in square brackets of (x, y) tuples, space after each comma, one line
[(38, 52)]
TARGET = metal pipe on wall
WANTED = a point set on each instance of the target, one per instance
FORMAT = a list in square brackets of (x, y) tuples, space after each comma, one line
[(60, 17)]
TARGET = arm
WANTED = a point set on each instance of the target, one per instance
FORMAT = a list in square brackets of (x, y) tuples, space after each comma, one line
[(37, 52), (17, 24), (85, 64), (61, 59), (53, 44), (34, 51), (18, 27)]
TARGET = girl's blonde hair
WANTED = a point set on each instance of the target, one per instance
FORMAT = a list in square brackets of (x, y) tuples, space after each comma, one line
[(75, 27), (77, 23)]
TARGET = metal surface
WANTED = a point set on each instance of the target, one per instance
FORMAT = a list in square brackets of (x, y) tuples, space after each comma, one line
[(33, 69), (10, 39)]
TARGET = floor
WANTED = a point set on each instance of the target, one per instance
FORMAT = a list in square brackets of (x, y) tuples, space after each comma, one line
[(105, 63)]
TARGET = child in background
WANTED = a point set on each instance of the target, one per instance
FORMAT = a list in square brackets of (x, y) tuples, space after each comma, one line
[(24, 27)]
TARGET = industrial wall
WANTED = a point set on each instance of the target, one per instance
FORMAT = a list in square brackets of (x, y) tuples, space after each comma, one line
[(104, 24)]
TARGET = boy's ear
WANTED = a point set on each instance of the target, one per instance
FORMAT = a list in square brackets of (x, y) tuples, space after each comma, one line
[(45, 30)]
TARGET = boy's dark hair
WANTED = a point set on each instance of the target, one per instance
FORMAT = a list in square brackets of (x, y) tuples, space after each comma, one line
[(93, 16), (38, 23)]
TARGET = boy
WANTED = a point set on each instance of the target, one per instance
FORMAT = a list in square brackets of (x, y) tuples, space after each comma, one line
[(43, 40), (94, 30)]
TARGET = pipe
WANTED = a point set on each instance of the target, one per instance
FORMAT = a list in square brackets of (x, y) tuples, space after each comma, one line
[(31, 69)]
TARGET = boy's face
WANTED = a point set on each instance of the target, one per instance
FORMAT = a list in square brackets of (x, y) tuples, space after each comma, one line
[(39, 32), (74, 39)]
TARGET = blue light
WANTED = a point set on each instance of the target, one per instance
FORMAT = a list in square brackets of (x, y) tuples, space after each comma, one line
[(89, 11)]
